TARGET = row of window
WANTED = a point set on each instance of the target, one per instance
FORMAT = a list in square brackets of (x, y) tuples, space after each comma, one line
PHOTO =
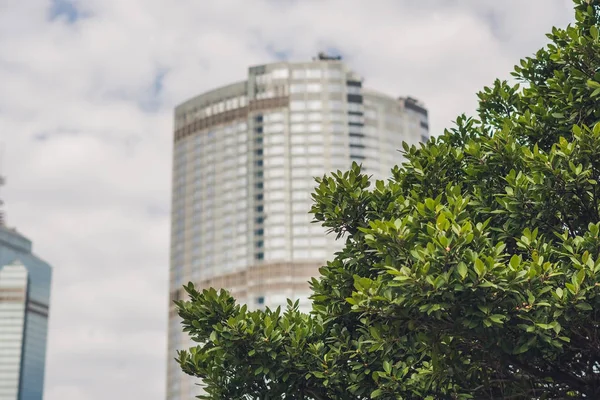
[(315, 88), (212, 109), (300, 105), (298, 73), (299, 160), (230, 133), (354, 89), (315, 117)]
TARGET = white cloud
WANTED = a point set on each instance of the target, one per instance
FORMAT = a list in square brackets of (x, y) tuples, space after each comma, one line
[(88, 138)]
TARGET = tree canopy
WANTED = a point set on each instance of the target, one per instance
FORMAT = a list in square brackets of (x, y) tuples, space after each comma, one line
[(474, 272)]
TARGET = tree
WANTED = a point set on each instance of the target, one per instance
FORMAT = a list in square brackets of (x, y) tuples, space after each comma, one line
[(474, 272)]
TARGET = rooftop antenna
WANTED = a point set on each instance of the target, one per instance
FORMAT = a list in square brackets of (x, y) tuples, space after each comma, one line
[(2, 183)]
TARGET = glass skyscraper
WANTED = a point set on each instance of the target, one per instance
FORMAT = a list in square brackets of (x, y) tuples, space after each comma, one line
[(243, 165), (24, 304)]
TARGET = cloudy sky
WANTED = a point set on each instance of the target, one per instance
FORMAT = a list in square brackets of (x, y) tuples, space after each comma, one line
[(87, 89)]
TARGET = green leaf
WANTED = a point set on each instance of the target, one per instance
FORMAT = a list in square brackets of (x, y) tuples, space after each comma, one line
[(521, 349), (544, 326), (594, 32), (580, 277), (584, 306), (479, 267), (515, 260), (462, 269), (593, 84), (571, 288), (387, 367)]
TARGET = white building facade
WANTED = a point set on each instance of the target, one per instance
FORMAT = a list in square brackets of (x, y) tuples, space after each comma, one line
[(244, 162)]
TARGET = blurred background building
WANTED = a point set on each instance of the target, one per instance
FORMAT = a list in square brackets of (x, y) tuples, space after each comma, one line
[(245, 157), (24, 305)]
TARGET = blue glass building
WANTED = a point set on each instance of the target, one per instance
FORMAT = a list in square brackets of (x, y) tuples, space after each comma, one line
[(24, 305)]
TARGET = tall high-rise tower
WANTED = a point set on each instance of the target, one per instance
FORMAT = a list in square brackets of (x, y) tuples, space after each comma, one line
[(24, 305), (243, 165)]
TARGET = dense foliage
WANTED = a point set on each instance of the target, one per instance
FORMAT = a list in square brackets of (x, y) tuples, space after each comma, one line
[(473, 273)]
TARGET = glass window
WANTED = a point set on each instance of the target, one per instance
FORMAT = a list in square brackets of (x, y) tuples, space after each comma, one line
[(273, 195), (301, 229), (296, 117), (303, 184), (275, 173), (274, 150), (317, 171), (316, 116), (336, 105), (299, 160), (333, 73), (274, 231), (299, 172), (358, 119), (355, 129), (316, 138), (274, 161), (275, 184), (315, 149), (280, 73), (301, 219), (338, 127), (337, 117), (353, 90), (273, 128), (334, 87), (315, 105), (355, 107), (299, 207), (274, 117), (356, 140), (298, 74), (275, 207), (315, 127), (314, 87), (318, 253), (276, 254), (300, 195), (313, 73), (276, 139), (275, 219), (297, 88), (275, 242), (297, 105), (298, 150), (298, 139), (300, 253), (297, 128), (316, 160), (300, 242)]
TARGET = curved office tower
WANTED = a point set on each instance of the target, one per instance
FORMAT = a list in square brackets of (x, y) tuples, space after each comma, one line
[(24, 305), (244, 162)]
